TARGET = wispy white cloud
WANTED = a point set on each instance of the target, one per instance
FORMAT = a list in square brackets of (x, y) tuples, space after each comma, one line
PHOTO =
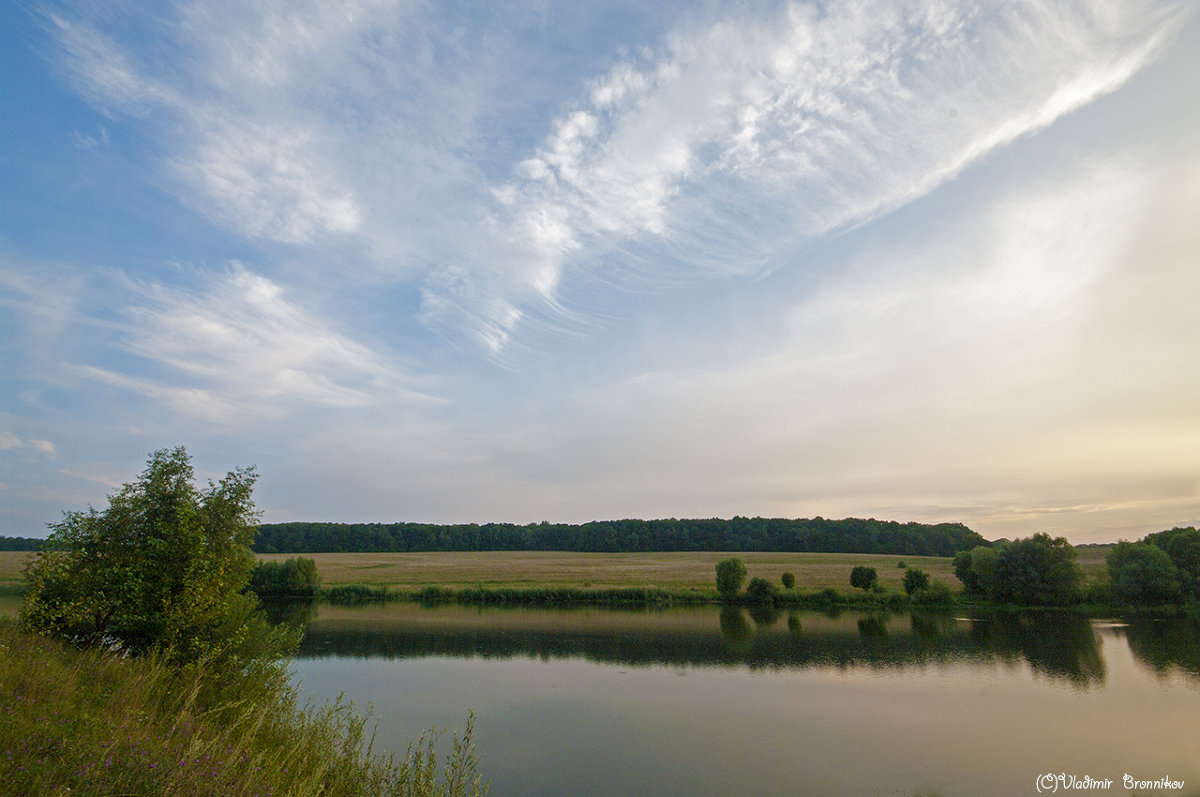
[(10, 441), (239, 349), (742, 137), (264, 182), (718, 151), (231, 127)]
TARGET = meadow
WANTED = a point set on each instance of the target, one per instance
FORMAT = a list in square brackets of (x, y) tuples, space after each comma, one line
[(670, 571), (683, 571)]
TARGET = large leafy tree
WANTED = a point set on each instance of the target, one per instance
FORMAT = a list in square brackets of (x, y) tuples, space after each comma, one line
[(1143, 574), (1183, 546), (163, 568), (1036, 571)]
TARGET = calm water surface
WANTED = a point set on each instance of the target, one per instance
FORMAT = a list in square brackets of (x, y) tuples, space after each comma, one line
[(711, 702)]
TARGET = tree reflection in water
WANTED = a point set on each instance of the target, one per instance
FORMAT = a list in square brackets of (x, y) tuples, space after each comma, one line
[(1057, 644)]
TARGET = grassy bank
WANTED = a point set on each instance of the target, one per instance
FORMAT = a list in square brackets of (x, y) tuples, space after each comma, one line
[(86, 722)]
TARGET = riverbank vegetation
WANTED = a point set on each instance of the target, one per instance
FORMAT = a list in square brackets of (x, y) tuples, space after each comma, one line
[(88, 722), (143, 664)]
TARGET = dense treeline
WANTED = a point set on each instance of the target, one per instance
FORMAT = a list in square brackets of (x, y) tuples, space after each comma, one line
[(626, 536), (21, 543)]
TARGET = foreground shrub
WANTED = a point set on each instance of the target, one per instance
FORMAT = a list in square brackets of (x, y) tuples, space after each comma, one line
[(162, 569)]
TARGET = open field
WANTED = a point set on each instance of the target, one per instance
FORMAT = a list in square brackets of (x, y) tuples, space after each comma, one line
[(672, 571), (11, 563), (685, 570)]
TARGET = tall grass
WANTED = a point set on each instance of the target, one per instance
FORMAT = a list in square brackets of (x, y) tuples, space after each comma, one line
[(88, 722)]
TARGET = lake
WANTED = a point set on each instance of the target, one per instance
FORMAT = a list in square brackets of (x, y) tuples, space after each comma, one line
[(705, 701)]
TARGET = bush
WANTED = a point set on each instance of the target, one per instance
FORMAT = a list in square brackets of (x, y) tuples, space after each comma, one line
[(863, 577), (936, 594), (295, 578), (915, 580), (351, 594), (788, 580), (761, 592), (731, 574)]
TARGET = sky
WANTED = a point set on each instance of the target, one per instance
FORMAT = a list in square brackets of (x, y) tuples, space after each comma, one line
[(917, 260)]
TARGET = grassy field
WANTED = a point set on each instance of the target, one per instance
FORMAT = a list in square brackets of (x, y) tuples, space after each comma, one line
[(671, 571), (11, 563), (690, 570)]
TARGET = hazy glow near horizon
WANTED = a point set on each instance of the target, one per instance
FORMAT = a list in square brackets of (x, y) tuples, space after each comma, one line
[(927, 260)]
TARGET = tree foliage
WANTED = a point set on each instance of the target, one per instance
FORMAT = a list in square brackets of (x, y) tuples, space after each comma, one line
[(760, 592), (295, 578), (915, 580), (788, 580), (1182, 544), (1036, 571), (1162, 568), (162, 568), (21, 543), (731, 574), (1143, 574), (863, 577)]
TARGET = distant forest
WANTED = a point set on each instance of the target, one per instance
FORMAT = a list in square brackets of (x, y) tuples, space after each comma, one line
[(20, 543), (851, 535)]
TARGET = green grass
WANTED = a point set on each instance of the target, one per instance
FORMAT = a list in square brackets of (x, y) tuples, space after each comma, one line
[(87, 722), (671, 571)]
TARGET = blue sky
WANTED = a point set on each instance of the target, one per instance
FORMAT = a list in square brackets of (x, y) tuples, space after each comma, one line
[(448, 262)]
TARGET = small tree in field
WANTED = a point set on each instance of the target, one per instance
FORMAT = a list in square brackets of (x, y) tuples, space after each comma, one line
[(162, 568), (914, 580), (731, 574), (863, 577), (789, 580)]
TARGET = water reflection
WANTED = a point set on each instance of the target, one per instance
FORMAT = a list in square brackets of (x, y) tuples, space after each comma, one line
[(1059, 645), (1167, 644)]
